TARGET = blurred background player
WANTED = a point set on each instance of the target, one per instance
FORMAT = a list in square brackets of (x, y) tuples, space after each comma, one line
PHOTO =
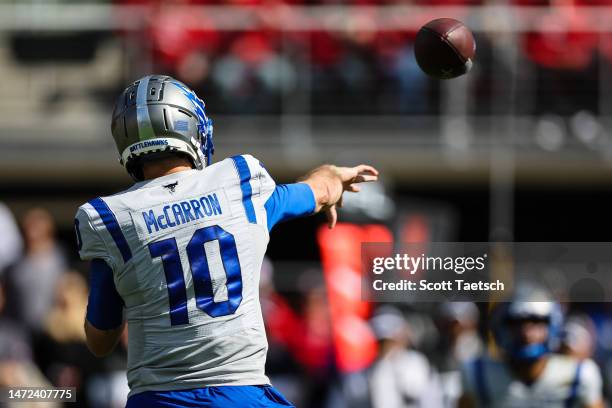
[(400, 377), (529, 374), (459, 342), (194, 339)]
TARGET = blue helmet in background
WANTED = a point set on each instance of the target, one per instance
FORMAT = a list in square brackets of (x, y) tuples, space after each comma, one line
[(527, 304)]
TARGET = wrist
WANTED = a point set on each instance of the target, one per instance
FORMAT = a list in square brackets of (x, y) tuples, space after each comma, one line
[(326, 184)]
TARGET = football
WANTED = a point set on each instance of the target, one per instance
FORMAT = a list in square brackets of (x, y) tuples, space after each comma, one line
[(444, 48)]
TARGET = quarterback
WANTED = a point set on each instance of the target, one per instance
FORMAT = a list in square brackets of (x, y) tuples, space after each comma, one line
[(177, 256)]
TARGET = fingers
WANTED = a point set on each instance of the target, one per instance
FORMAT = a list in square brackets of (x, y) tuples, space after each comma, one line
[(332, 216), (358, 174), (361, 173), (364, 178), (353, 188), (364, 168), (365, 173)]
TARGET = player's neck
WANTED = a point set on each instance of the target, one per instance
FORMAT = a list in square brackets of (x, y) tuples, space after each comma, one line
[(529, 373), (164, 167)]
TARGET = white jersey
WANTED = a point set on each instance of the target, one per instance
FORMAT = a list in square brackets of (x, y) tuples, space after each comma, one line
[(186, 250), (565, 383), (404, 379)]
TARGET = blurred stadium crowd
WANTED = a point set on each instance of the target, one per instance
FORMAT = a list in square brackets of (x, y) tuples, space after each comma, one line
[(358, 67), (420, 347), (362, 68)]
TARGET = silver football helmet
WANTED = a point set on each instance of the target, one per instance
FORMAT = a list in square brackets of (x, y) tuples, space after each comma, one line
[(157, 115)]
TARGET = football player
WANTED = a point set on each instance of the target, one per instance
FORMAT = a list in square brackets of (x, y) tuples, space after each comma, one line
[(177, 256), (529, 375)]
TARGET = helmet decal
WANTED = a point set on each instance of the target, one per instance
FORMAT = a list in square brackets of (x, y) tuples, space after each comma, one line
[(145, 129), (205, 126)]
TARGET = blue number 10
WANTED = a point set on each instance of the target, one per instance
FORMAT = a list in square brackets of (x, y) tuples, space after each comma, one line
[(202, 283)]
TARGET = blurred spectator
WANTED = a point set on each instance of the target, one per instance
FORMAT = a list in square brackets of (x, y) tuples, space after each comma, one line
[(64, 322), (281, 366), (182, 41), (16, 366), (297, 339), (253, 74), (459, 323), (32, 282), (14, 341), (400, 378), (563, 50), (60, 349), (404, 85), (460, 342), (600, 315), (564, 41), (406, 88), (578, 337), (107, 387), (10, 240)]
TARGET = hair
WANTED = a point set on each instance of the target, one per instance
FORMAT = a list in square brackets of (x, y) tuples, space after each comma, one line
[(136, 166)]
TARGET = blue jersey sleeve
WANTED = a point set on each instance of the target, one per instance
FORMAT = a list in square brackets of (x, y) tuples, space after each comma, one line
[(289, 201), (105, 306)]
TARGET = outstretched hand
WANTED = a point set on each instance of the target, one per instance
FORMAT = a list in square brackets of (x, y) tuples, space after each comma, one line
[(350, 178)]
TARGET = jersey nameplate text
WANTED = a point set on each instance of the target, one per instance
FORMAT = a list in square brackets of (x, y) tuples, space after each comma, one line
[(172, 216)]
